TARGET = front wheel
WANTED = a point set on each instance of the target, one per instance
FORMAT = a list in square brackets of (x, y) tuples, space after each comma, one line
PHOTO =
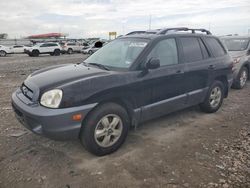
[(35, 53), (105, 129), (214, 98)]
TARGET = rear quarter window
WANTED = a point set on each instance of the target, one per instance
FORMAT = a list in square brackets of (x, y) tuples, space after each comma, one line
[(215, 46)]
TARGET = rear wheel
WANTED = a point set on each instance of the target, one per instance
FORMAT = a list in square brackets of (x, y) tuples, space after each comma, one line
[(57, 52), (105, 129), (2, 53), (70, 51), (214, 98), (241, 80)]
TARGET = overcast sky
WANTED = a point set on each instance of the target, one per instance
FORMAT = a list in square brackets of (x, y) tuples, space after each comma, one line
[(93, 18)]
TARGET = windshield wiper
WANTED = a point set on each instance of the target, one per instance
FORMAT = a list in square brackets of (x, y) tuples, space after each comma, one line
[(99, 65)]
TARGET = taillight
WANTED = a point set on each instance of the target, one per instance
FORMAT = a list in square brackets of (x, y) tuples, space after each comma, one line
[(236, 60)]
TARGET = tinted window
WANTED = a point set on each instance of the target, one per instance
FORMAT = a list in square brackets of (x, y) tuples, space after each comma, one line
[(204, 50), (51, 44), (215, 46), (165, 51), (191, 49), (236, 44), (43, 45), (71, 44)]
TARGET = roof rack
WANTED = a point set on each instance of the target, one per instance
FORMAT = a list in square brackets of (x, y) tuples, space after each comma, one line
[(164, 31)]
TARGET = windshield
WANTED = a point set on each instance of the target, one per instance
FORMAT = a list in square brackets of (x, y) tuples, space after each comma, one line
[(236, 44), (120, 53)]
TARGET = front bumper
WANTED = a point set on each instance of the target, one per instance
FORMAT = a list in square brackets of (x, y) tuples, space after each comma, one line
[(56, 124)]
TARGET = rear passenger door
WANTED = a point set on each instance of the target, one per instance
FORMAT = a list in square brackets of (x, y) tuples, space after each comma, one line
[(197, 61), (166, 82)]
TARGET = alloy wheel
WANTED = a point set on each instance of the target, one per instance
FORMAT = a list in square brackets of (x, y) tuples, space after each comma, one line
[(108, 130)]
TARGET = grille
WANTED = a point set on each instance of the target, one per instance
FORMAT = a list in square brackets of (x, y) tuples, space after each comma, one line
[(27, 92)]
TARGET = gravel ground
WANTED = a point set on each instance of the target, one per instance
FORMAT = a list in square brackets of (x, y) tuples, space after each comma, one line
[(184, 149)]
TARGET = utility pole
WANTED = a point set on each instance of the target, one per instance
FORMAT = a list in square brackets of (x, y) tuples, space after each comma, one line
[(150, 19)]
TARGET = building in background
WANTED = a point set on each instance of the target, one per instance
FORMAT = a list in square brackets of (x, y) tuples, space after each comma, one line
[(3, 35)]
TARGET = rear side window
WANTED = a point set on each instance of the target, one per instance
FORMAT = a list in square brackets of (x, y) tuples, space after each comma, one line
[(191, 49), (215, 46), (52, 44)]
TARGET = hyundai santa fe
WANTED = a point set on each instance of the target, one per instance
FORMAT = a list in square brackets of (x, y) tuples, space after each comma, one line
[(130, 80)]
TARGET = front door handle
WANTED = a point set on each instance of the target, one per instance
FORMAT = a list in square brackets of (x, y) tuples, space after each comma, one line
[(179, 72)]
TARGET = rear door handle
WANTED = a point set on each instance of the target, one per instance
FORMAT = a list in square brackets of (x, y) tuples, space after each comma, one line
[(211, 67)]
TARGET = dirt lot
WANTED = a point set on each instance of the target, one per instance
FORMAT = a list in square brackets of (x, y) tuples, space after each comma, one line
[(185, 149)]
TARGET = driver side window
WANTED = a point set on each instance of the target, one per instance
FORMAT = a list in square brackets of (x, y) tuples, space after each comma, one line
[(165, 51)]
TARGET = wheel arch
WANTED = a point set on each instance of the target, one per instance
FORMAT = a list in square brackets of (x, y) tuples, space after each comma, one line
[(223, 79), (247, 65), (125, 103)]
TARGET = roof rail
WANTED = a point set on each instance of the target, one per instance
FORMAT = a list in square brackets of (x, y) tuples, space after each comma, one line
[(164, 31), (135, 32)]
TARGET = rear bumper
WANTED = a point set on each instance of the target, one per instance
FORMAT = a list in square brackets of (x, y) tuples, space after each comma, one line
[(56, 124)]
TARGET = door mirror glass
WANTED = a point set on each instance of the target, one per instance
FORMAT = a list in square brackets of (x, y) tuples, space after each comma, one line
[(153, 63)]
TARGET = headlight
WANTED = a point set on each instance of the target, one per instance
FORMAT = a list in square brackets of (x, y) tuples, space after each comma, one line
[(51, 98)]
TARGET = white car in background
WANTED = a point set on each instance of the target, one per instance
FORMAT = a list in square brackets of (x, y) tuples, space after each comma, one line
[(93, 47), (71, 47), (44, 48), (17, 49), (4, 50)]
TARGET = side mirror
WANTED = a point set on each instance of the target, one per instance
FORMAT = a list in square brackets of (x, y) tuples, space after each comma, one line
[(153, 63)]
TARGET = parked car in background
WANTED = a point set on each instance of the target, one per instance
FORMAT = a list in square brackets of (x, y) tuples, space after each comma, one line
[(93, 48), (17, 49), (71, 47), (44, 48), (4, 50), (239, 49), (132, 79)]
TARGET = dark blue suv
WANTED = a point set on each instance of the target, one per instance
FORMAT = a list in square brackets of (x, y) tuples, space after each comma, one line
[(130, 80)]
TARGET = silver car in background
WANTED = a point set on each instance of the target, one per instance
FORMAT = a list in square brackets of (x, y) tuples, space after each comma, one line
[(239, 49)]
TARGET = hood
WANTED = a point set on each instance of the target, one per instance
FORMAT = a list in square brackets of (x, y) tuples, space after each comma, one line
[(55, 76), (236, 54)]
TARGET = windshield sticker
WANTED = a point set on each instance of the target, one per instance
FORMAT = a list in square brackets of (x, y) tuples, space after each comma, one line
[(138, 44), (127, 62)]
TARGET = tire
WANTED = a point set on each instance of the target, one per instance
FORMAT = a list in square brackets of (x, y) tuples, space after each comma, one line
[(90, 52), (57, 52), (214, 98), (106, 142), (35, 53), (2, 53), (70, 51), (241, 79)]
